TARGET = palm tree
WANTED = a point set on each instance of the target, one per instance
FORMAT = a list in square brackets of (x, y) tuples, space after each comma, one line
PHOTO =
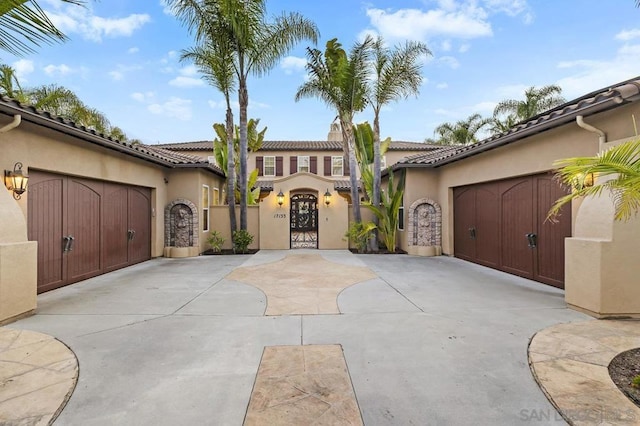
[(396, 74), (214, 60), (9, 84), (463, 132), (620, 163), (340, 81), (23, 25), (512, 111), (258, 46)]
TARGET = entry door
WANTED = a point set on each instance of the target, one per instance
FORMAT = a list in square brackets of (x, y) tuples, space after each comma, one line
[(304, 221)]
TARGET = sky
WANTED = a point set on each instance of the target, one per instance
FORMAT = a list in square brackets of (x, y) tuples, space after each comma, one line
[(123, 59)]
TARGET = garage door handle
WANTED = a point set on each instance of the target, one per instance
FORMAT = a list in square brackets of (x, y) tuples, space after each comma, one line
[(70, 246), (472, 233), (533, 240), (131, 234), (65, 244)]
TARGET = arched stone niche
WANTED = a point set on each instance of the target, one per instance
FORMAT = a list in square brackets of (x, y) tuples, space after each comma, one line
[(425, 228), (181, 229)]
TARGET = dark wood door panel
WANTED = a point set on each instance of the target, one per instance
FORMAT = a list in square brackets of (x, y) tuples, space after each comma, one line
[(115, 226), (139, 223), (84, 201), (487, 225), (551, 234), (464, 223), (516, 202), (45, 225)]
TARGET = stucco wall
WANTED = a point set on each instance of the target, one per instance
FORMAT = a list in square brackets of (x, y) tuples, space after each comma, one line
[(275, 220), (220, 221)]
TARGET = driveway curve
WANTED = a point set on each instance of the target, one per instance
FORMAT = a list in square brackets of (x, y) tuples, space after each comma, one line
[(425, 341)]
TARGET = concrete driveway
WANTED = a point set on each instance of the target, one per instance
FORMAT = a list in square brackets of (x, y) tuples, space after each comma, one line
[(427, 341)]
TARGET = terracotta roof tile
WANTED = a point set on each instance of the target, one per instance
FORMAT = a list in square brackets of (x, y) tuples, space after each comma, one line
[(591, 103), (298, 146)]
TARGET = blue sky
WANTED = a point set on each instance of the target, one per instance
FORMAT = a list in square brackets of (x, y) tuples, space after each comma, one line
[(123, 59)]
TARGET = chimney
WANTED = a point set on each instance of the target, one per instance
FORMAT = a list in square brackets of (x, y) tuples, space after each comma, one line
[(335, 133)]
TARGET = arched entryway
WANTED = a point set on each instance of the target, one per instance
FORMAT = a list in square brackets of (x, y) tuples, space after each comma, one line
[(304, 221)]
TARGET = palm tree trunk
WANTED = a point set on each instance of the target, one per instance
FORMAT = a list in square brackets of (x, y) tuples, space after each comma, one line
[(243, 98), (347, 134), (376, 174), (231, 172)]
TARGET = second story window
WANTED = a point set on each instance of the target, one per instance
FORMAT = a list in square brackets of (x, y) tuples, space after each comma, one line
[(269, 166), (303, 163), (337, 165)]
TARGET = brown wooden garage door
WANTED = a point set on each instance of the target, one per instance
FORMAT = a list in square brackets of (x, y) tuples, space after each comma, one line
[(85, 227), (502, 225)]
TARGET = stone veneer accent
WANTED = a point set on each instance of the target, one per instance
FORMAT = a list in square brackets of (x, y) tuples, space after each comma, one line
[(168, 221), (425, 223)]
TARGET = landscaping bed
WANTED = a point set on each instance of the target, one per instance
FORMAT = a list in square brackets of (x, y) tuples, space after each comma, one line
[(622, 369), (228, 252)]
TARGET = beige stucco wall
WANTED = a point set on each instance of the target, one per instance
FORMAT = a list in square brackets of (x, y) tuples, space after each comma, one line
[(275, 220), (220, 223)]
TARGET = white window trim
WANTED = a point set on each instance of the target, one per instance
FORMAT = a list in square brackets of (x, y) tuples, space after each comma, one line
[(333, 157), (264, 165), (300, 157), (383, 162), (212, 160), (205, 209), (216, 200)]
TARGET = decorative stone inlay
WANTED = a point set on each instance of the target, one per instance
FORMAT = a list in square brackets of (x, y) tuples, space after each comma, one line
[(303, 385), (181, 224), (37, 376), (570, 363), (302, 283), (425, 223)]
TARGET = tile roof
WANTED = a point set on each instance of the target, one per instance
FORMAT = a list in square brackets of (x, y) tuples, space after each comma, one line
[(298, 146), (149, 153), (591, 103)]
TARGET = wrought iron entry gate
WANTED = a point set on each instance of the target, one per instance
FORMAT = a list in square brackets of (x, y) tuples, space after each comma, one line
[(304, 221)]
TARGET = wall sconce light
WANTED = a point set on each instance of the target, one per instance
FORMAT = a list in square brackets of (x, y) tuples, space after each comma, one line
[(16, 180), (327, 197), (280, 198), (584, 181)]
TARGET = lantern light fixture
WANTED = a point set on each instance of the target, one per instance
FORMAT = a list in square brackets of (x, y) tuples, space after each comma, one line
[(327, 197), (280, 198), (16, 180)]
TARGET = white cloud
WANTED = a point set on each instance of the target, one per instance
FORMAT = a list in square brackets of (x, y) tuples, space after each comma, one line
[(81, 20), (442, 86), (57, 70), (174, 108), (484, 108), (186, 82), (449, 61), (23, 67), (464, 48), (116, 75), (446, 45), (291, 64), (591, 74), (627, 35), (189, 71), (217, 105), (414, 24), (133, 50), (510, 7), (362, 35), (143, 97)]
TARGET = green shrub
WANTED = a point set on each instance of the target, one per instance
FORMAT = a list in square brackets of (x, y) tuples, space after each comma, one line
[(215, 240), (241, 240), (360, 233), (635, 382)]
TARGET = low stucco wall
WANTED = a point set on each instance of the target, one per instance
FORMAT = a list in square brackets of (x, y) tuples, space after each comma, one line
[(18, 262), (220, 223)]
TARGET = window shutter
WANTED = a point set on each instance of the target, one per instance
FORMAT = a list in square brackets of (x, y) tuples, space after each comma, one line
[(313, 165), (278, 166), (293, 164), (327, 165), (259, 165), (345, 166)]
